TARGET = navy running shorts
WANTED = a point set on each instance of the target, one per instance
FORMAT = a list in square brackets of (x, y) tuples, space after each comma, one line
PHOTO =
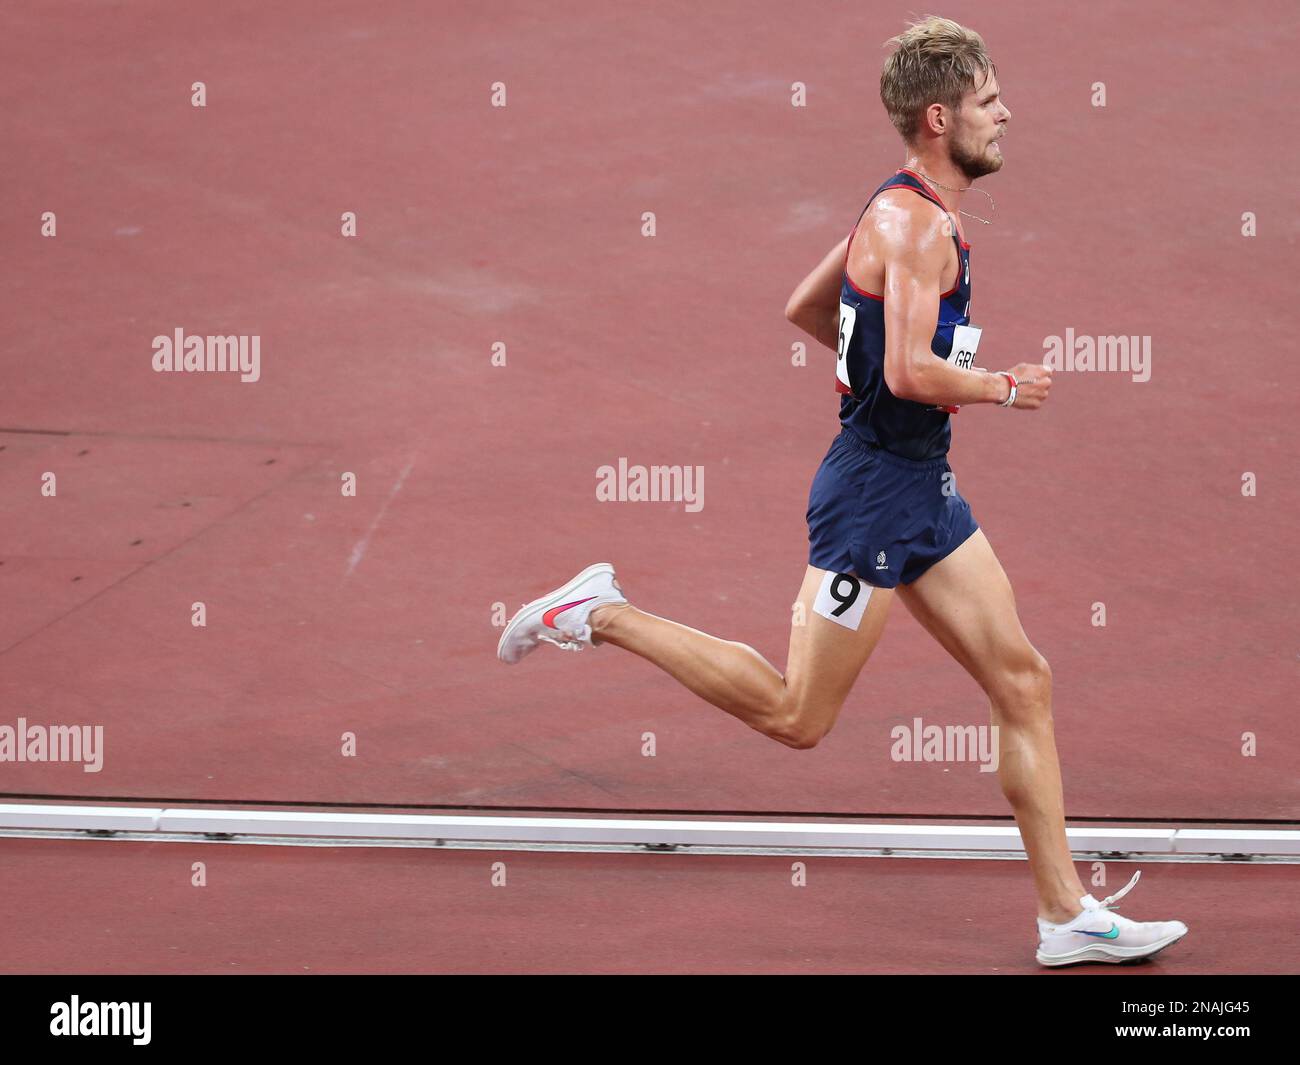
[(885, 518)]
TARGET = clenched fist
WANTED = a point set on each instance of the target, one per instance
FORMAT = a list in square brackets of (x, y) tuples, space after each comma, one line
[(1033, 382)]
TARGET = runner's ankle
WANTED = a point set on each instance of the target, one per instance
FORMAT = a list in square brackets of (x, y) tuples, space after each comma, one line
[(600, 618), (1060, 913)]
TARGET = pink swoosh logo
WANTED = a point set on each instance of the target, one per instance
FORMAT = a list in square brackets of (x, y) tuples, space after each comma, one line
[(549, 617)]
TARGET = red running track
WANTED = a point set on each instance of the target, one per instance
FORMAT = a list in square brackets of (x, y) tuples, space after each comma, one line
[(118, 907), (373, 614)]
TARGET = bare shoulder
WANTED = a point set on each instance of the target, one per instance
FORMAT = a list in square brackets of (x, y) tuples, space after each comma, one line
[(903, 224)]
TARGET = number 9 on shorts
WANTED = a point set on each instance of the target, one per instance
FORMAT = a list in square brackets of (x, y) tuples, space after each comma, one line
[(843, 599)]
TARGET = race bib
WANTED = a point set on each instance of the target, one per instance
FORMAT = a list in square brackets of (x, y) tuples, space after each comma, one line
[(848, 318), (965, 342), (843, 599)]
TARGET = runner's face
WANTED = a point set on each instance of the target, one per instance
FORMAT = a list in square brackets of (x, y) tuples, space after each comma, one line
[(981, 122)]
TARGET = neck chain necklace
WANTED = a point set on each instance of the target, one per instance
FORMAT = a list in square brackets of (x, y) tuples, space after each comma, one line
[(969, 188)]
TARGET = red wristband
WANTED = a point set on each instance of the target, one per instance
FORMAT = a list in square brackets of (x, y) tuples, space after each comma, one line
[(1015, 387)]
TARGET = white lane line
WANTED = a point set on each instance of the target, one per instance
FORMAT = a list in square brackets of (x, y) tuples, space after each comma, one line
[(359, 548)]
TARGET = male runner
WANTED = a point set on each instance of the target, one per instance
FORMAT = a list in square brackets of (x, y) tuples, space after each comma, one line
[(893, 301)]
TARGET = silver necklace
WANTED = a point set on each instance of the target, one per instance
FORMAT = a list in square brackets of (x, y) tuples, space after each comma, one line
[(969, 188)]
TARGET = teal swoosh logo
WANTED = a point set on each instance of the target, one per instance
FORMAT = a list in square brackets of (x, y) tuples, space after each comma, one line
[(1112, 934)]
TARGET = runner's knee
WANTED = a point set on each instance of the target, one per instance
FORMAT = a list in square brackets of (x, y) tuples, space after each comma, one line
[(1024, 686), (798, 736), (800, 727)]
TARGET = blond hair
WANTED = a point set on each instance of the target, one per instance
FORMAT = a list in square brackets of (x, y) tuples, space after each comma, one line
[(935, 60)]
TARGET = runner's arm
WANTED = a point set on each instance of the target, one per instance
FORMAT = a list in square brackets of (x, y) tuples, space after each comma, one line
[(814, 306), (915, 242)]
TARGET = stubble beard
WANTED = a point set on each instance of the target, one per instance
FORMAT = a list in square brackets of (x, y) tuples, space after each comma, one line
[(974, 164)]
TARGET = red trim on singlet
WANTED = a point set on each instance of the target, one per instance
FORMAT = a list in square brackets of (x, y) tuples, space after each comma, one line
[(924, 184), (863, 291), (848, 248)]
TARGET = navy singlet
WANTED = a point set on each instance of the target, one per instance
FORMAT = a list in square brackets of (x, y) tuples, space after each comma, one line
[(911, 430)]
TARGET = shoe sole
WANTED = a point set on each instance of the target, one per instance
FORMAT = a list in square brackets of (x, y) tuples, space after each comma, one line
[(1109, 955), (545, 603)]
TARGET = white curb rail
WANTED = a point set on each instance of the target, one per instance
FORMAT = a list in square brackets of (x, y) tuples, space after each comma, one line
[(81, 818), (1234, 841), (557, 831)]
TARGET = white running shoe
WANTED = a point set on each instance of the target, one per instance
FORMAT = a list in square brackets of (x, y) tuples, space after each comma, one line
[(560, 617), (1097, 934)]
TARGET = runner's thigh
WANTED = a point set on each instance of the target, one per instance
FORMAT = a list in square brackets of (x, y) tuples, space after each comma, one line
[(827, 655), (966, 603)]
